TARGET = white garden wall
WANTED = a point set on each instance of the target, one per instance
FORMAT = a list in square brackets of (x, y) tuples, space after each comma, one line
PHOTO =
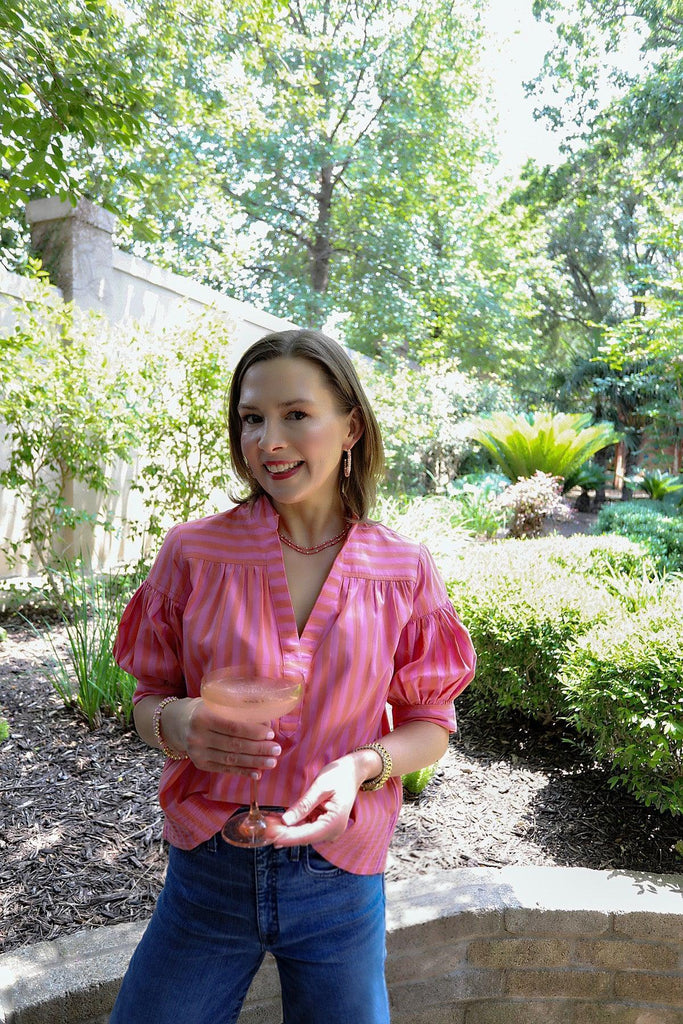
[(76, 244)]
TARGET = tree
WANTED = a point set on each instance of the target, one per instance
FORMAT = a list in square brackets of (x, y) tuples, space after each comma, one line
[(322, 163), (608, 210), (66, 81), (588, 56)]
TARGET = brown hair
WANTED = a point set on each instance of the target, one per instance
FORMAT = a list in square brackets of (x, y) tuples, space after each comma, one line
[(357, 491)]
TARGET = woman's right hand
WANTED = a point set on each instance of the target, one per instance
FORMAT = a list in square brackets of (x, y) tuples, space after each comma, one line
[(216, 744), (212, 741)]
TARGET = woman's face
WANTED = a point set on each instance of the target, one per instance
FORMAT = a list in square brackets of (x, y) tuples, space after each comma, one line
[(293, 432)]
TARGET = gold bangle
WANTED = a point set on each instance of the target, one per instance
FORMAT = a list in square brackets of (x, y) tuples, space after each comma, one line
[(174, 755), (370, 785)]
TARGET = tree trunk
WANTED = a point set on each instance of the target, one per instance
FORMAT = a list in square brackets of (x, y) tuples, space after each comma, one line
[(322, 249)]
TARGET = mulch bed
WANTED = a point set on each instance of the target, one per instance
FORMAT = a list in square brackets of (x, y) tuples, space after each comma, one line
[(80, 830)]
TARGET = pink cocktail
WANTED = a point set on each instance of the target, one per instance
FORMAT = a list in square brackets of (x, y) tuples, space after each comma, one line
[(241, 695)]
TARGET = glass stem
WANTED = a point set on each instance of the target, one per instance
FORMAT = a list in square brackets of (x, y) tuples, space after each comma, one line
[(254, 809)]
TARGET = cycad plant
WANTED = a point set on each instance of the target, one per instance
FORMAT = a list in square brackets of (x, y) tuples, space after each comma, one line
[(657, 485), (554, 443)]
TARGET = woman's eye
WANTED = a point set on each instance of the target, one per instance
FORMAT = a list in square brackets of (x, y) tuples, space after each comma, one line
[(296, 414), (251, 418)]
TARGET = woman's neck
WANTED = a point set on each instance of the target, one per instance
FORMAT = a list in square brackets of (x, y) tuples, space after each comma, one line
[(309, 527)]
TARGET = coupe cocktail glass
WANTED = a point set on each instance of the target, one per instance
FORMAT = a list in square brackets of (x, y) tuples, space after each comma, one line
[(242, 695)]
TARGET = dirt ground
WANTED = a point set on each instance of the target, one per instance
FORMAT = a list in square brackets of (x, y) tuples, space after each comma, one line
[(80, 830)]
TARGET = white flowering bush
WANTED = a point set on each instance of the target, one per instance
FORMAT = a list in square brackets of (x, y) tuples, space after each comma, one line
[(532, 500)]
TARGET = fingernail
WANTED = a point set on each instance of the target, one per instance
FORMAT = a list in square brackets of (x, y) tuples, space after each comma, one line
[(270, 762), (275, 751), (270, 735)]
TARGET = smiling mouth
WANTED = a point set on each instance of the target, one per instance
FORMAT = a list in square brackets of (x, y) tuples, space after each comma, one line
[(281, 468)]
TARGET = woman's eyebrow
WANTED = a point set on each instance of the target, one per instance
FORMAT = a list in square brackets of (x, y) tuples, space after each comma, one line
[(281, 405)]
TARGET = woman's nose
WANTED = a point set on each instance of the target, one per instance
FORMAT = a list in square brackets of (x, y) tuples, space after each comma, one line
[(270, 438)]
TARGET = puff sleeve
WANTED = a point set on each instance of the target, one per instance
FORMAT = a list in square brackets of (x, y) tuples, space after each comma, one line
[(434, 659), (149, 640)]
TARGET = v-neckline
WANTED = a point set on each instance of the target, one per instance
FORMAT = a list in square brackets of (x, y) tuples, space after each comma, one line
[(311, 626), (276, 565)]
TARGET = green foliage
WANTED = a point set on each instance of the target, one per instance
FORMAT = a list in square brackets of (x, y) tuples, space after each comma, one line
[(415, 783), (475, 508), (623, 684), (25, 596), (66, 78), (424, 412), (66, 414), (649, 523), (657, 485), (4, 730), (581, 630), (184, 453), (524, 611), (295, 141), (653, 340), (86, 677), (70, 409), (590, 477), (531, 501), (614, 236), (556, 444)]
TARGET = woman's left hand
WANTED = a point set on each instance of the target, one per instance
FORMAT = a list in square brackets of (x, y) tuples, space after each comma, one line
[(322, 813)]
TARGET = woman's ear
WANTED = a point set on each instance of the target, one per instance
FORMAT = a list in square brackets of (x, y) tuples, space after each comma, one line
[(356, 425)]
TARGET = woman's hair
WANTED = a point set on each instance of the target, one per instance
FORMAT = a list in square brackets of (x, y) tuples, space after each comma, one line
[(359, 489)]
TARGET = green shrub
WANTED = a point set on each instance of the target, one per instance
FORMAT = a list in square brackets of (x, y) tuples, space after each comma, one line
[(623, 686), (416, 782), (474, 503), (524, 613), (597, 557), (4, 730), (650, 524), (66, 414), (590, 477), (424, 413)]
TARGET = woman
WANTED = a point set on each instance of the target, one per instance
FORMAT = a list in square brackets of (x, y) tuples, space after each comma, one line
[(294, 578)]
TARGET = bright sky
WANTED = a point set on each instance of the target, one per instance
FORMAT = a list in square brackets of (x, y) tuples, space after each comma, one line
[(517, 44), (514, 54)]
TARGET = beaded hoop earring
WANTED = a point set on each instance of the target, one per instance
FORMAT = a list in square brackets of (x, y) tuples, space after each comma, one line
[(347, 462)]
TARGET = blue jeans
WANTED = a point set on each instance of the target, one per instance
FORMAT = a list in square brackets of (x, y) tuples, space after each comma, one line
[(222, 908)]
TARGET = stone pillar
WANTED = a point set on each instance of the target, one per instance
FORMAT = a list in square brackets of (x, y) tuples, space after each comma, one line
[(75, 244)]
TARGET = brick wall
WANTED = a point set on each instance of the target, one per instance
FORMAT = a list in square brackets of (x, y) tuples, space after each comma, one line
[(469, 946)]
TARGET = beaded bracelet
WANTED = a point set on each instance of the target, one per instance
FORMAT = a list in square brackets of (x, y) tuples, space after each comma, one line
[(370, 785), (174, 755)]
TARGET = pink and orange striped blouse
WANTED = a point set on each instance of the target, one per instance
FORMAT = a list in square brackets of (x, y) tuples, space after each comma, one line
[(382, 631)]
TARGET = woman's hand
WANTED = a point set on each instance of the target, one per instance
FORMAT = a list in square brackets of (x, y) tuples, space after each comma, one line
[(216, 744), (322, 813), (213, 742)]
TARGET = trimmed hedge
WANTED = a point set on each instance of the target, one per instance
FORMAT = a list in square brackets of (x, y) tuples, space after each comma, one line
[(582, 630), (624, 685), (649, 523), (525, 602)]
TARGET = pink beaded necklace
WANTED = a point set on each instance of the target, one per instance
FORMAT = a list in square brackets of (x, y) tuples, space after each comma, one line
[(318, 547)]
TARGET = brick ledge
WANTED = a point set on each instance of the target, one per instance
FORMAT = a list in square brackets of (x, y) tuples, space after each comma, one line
[(465, 946)]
